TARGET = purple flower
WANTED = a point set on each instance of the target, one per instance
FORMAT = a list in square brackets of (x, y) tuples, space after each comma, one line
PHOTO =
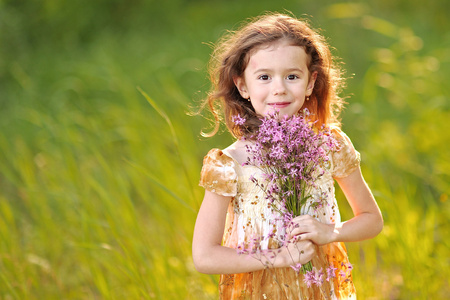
[(297, 268), (331, 273), (238, 120), (277, 152), (313, 277), (318, 277), (292, 155), (253, 179), (308, 278), (349, 266)]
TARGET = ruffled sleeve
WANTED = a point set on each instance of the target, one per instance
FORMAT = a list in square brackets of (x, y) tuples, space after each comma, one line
[(346, 159), (218, 174)]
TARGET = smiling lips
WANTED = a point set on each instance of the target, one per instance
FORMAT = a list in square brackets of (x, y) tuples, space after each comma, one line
[(279, 104)]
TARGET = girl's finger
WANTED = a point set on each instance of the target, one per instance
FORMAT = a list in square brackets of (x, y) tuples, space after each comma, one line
[(301, 229), (302, 218), (304, 237)]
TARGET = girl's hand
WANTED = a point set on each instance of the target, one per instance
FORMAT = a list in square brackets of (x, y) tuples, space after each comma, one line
[(306, 227), (296, 251), (366, 223)]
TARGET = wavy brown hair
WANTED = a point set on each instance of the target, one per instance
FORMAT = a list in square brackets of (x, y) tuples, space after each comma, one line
[(231, 56)]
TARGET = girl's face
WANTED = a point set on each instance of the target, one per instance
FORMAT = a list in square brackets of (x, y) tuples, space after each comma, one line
[(277, 78)]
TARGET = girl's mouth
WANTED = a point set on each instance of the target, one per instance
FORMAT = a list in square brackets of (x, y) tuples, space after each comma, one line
[(279, 104)]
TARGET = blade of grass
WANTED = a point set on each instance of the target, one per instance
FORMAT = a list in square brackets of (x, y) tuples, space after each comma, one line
[(8, 285), (174, 138), (162, 186)]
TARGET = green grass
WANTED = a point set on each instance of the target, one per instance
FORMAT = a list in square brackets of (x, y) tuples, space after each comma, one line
[(99, 161)]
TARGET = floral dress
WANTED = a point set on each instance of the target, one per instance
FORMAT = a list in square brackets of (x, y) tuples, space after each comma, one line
[(250, 216)]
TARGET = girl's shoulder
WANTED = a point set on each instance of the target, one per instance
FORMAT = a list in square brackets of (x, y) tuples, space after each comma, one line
[(341, 137), (218, 173), (337, 132), (346, 158)]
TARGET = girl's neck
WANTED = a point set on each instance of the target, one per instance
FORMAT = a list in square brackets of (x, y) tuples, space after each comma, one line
[(238, 150)]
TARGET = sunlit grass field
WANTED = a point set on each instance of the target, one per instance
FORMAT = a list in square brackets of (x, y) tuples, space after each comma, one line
[(99, 159)]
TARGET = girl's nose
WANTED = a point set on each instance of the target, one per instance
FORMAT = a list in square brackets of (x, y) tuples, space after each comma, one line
[(278, 87)]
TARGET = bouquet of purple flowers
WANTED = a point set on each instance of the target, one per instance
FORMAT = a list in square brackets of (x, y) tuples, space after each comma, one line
[(292, 155)]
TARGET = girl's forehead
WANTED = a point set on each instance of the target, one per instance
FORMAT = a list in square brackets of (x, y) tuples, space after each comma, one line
[(271, 46), (275, 44), (278, 52)]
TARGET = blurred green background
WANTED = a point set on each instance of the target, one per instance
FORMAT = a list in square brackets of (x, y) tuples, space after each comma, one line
[(98, 185)]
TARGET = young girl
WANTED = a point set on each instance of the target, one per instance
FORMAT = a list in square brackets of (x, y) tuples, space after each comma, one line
[(277, 62)]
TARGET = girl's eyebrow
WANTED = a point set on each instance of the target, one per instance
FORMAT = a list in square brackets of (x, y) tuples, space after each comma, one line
[(263, 70), (295, 70)]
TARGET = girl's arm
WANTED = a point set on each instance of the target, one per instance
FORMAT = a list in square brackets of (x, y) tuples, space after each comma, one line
[(366, 223), (212, 258)]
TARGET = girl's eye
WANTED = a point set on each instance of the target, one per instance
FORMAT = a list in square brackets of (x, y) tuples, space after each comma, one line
[(264, 77), (292, 77)]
